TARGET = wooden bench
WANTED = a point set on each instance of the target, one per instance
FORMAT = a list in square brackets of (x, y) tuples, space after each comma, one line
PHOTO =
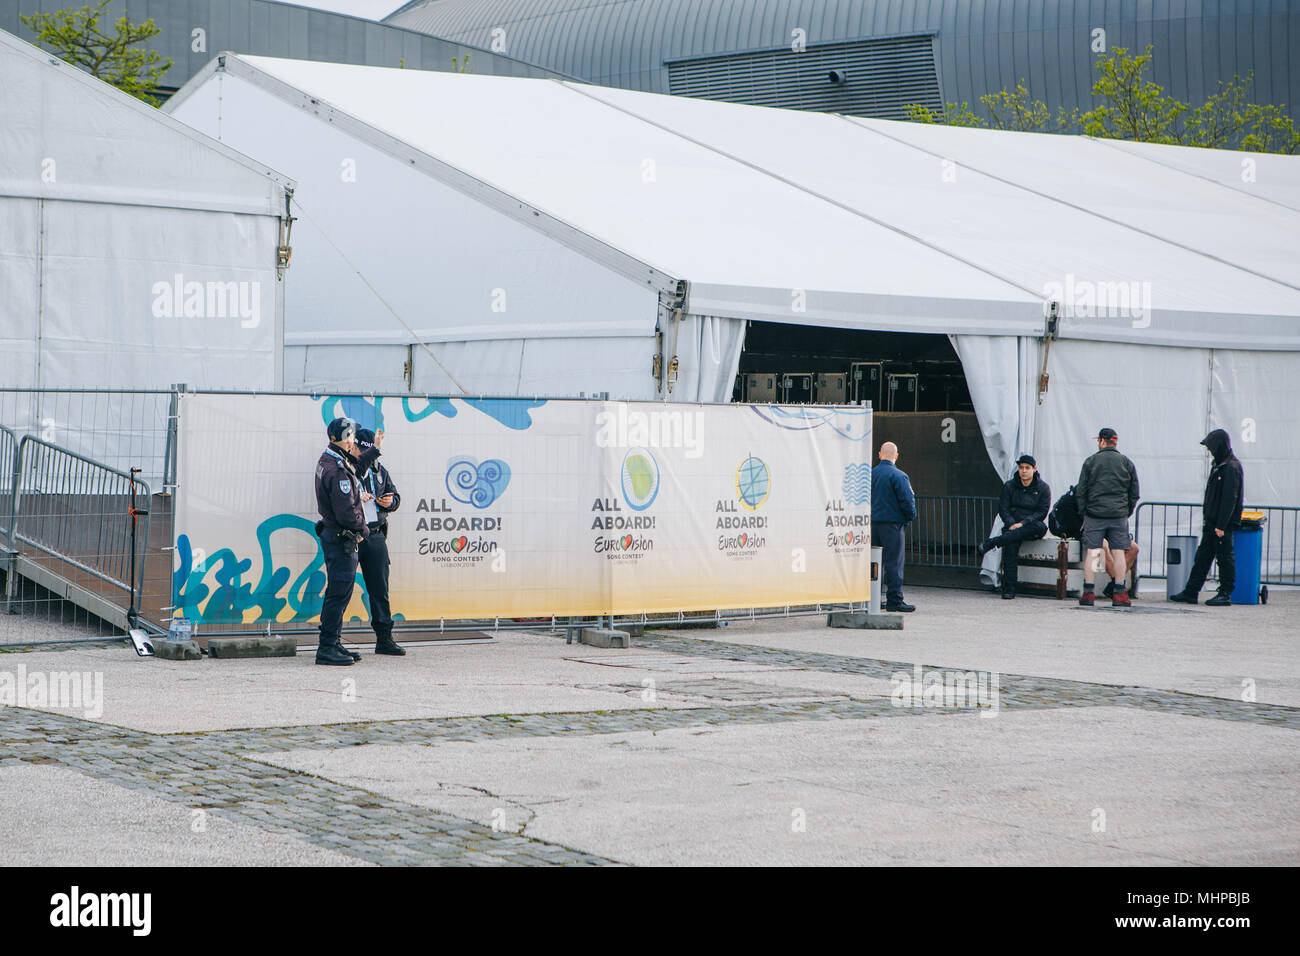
[(1056, 565)]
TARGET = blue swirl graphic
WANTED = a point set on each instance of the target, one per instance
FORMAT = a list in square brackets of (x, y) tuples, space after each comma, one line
[(477, 484)]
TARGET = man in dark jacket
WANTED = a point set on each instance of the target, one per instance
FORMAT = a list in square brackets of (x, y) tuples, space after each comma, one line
[(1107, 494), (1023, 507), (893, 507), (341, 528), (379, 499), (1221, 511)]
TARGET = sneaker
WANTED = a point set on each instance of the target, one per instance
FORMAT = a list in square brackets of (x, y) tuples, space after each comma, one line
[(984, 547), (1182, 597), (1120, 599), (1219, 600), (1087, 599), (904, 607)]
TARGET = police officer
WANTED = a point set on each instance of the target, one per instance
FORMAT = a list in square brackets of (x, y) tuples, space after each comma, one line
[(379, 499), (341, 528)]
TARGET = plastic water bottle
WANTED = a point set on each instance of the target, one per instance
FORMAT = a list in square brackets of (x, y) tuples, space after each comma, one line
[(180, 629)]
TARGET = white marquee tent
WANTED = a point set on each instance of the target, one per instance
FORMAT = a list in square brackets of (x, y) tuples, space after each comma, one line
[(134, 252), (548, 237)]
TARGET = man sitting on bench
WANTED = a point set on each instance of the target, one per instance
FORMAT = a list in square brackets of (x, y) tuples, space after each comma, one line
[(1023, 509)]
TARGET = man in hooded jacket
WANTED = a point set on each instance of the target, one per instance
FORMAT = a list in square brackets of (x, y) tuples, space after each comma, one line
[(1221, 511)]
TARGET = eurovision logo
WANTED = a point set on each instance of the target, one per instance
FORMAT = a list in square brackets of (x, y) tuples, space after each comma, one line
[(639, 482)]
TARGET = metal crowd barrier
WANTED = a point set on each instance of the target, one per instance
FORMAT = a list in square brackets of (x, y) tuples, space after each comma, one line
[(1154, 521), (77, 530), (947, 530), (8, 458)]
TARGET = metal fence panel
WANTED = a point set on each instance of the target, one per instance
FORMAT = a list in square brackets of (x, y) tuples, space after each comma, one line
[(1155, 521), (76, 545)]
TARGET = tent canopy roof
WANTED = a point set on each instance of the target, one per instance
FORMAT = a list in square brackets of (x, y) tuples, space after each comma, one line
[(822, 219), (66, 135)]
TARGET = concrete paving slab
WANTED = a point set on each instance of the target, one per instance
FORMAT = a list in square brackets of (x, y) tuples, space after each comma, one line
[(1021, 788), (58, 817), (517, 673), (1197, 650)]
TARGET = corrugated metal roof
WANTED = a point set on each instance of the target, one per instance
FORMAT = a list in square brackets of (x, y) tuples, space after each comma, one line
[(267, 28), (980, 45)]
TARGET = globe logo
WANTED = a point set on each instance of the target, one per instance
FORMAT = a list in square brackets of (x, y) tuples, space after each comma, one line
[(753, 482), (640, 479)]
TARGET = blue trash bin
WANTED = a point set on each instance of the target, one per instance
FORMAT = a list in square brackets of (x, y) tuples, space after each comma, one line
[(1248, 548)]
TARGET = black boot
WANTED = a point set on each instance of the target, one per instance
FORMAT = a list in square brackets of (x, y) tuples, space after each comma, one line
[(349, 651), (333, 654), (984, 547), (1008, 593), (384, 644)]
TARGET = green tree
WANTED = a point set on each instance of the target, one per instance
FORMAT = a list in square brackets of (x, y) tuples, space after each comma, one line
[(1136, 108), (952, 114), (76, 37)]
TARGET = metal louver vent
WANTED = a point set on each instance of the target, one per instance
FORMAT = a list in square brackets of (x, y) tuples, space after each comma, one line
[(877, 77)]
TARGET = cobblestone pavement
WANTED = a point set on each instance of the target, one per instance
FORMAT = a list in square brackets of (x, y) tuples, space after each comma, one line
[(212, 770)]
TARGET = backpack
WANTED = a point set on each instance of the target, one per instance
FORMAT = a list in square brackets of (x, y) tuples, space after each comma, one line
[(1064, 520)]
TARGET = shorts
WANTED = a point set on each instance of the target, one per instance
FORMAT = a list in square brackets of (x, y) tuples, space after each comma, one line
[(1113, 530)]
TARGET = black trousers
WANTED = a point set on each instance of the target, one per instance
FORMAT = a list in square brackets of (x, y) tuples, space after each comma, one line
[(1009, 542), (1213, 548), (340, 577), (888, 536), (374, 569)]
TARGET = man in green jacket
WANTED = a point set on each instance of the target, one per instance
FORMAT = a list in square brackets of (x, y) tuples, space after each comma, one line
[(1107, 494)]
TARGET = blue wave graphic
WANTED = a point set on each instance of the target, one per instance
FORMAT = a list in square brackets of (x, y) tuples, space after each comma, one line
[(857, 483), (850, 422)]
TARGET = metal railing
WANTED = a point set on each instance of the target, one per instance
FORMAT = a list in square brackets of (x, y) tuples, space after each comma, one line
[(76, 533), (1154, 521), (947, 530), (8, 458)]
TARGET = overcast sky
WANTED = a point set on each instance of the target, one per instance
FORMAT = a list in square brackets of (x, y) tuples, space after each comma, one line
[(370, 9)]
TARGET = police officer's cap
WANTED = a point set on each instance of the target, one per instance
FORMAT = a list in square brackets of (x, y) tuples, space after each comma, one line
[(341, 429), (365, 436)]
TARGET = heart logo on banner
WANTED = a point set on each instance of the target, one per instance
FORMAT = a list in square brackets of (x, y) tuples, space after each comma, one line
[(743, 539), (627, 541), (459, 544), (848, 538)]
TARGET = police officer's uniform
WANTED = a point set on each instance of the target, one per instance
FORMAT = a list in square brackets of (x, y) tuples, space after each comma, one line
[(373, 551), (342, 526)]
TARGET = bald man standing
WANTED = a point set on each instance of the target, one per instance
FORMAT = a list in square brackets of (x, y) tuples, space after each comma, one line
[(893, 507)]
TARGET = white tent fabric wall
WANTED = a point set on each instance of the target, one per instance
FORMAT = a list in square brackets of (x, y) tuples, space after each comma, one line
[(106, 207)]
